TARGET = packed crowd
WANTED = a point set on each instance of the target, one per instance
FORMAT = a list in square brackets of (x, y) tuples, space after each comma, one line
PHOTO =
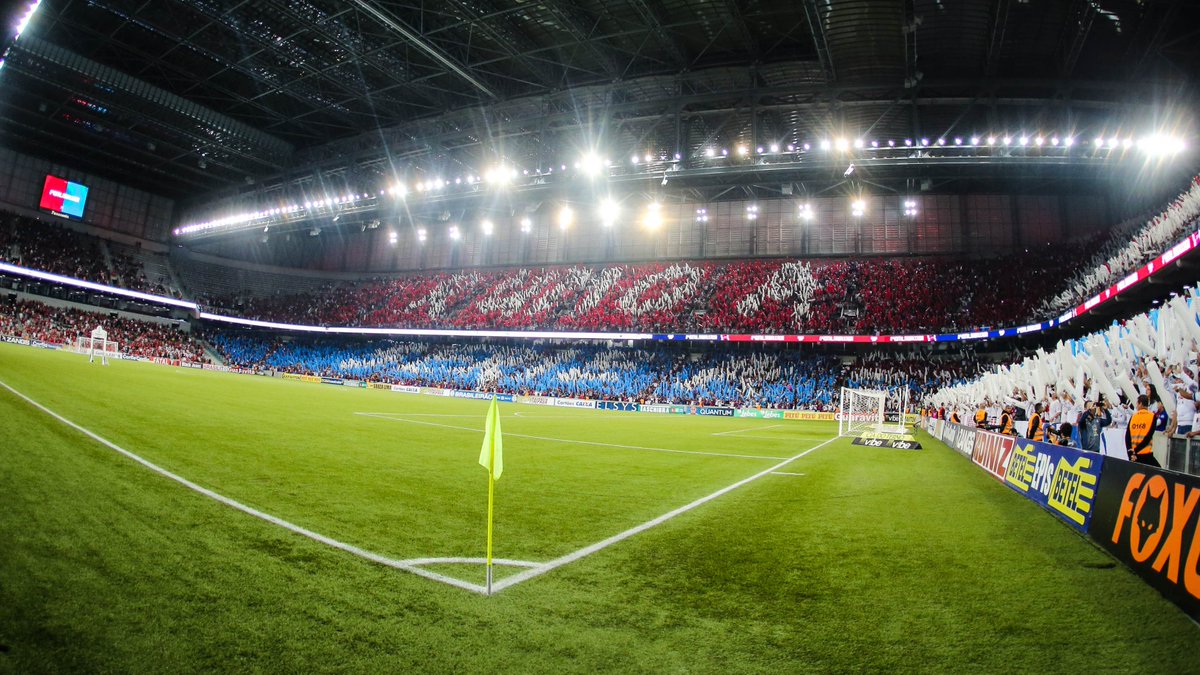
[(39, 322), (1149, 362), (768, 296), (777, 379), (31, 243), (1128, 247)]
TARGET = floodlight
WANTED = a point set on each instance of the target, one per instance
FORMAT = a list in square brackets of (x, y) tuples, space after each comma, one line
[(454, 233), (609, 210), (488, 227), (422, 235), (653, 218), (526, 225), (565, 217), (592, 164), (858, 207), (24, 22)]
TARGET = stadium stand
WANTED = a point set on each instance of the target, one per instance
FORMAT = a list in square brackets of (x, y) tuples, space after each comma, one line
[(1129, 245), (31, 243), (771, 296), (778, 379), (40, 322)]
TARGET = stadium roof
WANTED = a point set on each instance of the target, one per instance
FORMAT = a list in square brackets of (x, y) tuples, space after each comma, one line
[(187, 96)]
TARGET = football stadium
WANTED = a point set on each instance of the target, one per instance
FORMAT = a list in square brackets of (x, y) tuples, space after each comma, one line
[(635, 336)]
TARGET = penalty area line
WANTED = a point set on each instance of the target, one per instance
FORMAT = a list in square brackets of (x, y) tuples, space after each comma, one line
[(622, 536), (406, 565), (742, 431)]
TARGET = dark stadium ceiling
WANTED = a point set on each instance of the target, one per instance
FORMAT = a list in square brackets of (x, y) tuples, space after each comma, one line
[(207, 97)]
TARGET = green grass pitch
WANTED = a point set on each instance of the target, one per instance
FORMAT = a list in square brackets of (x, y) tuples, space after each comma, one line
[(871, 560)]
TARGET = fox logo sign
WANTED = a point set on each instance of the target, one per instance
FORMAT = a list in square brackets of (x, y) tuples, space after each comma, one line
[(1150, 519)]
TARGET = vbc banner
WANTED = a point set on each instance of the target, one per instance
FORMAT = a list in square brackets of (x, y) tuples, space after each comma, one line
[(1061, 480), (1150, 519)]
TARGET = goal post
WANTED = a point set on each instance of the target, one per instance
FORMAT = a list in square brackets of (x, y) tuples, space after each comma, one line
[(861, 410), (97, 344)]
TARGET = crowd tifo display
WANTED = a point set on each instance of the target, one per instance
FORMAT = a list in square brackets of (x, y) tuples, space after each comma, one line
[(771, 296), (778, 379), (1129, 245)]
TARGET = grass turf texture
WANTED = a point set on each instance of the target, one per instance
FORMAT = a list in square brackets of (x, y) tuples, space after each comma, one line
[(873, 560)]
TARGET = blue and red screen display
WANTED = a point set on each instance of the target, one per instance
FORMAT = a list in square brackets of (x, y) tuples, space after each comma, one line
[(64, 198)]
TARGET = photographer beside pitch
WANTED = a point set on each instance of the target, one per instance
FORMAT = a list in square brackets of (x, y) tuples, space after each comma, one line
[(1092, 423)]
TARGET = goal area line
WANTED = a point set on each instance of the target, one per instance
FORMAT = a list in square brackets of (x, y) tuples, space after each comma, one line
[(529, 571)]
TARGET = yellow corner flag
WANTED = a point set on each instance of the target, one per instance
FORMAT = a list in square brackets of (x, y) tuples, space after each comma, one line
[(491, 457)]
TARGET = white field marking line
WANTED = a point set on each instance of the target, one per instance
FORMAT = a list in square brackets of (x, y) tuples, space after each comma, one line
[(315, 536), (469, 561), (391, 418), (616, 538), (742, 431), (628, 415), (785, 473)]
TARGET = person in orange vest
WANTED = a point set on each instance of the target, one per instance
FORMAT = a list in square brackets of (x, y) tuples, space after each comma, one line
[(1139, 432), (981, 417), (1006, 422), (1035, 430), (954, 416)]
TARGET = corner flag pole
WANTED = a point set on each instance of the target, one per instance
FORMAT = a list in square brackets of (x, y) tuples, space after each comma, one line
[(491, 491), (491, 457)]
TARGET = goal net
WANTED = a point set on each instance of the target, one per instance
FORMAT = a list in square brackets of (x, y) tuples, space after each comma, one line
[(97, 344), (860, 410), (863, 410)]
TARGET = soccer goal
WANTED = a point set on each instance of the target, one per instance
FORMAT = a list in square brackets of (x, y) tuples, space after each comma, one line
[(97, 344), (861, 410)]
